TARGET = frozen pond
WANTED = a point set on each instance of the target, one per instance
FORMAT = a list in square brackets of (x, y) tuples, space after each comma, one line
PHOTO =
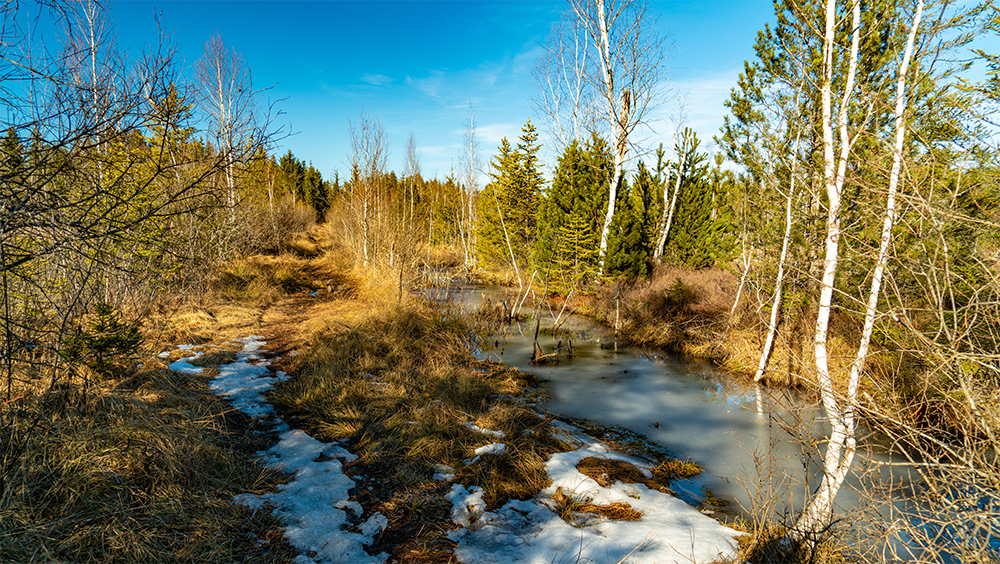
[(759, 447), (751, 441)]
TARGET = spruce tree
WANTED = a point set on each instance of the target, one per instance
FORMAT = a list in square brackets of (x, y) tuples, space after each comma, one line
[(633, 229), (628, 247), (571, 213), (508, 206), (492, 231)]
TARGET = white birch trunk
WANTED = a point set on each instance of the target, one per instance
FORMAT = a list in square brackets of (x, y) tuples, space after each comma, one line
[(510, 249), (618, 123), (890, 217), (818, 512), (682, 165), (661, 239), (772, 327), (743, 282)]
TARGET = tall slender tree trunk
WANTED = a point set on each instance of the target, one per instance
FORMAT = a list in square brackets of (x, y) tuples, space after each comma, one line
[(619, 119), (890, 217), (772, 327), (818, 512), (661, 241), (510, 249), (661, 238)]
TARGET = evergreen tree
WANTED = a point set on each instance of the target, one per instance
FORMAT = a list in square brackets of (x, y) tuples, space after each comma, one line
[(628, 246), (523, 195), (571, 212), (508, 206), (703, 225), (494, 226), (633, 229)]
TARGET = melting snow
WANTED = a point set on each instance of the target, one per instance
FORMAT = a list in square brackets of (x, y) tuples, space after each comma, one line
[(531, 532), (244, 382), (492, 448), (443, 472), (186, 367), (314, 504), (320, 517), (478, 429)]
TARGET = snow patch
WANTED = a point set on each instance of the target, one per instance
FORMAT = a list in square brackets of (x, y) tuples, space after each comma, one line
[(374, 525), (443, 473), (478, 429), (185, 367), (312, 503), (492, 448), (244, 381), (315, 502), (530, 532)]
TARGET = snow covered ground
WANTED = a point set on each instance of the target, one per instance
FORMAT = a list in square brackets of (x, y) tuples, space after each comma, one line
[(324, 524), (532, 532), (315, 504)]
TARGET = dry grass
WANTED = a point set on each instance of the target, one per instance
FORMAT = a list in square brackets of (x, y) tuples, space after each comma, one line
[(141, 470), (570, 508), (606, 471), (399, 384)]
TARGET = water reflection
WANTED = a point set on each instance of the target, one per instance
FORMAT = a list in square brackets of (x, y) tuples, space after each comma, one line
[(760, 447)]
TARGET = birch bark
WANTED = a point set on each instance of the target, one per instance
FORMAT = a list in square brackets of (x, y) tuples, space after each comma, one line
[(818, 512), (772, 327)]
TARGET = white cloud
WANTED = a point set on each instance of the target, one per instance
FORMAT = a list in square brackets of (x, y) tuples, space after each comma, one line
[(376, 79), (701, 98), (489, 136)]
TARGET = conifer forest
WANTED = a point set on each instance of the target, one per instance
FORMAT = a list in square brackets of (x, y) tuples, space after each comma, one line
[(188, 307)]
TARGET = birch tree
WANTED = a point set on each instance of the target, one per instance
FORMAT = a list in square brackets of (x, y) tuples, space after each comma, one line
[(840, 447), (670, 201), (625, 78), (369, 158), (470, 164), (228, 99), (560, 76)]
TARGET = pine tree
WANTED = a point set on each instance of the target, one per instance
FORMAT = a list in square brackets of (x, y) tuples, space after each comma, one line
[(571, 212), (508, 206)]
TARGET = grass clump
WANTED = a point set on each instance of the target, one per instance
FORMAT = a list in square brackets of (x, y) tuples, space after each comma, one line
[(606, 471), (138, 470), (404, 389), (570, 509)]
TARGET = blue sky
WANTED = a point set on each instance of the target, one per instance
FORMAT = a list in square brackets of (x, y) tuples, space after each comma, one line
[(417, 65)]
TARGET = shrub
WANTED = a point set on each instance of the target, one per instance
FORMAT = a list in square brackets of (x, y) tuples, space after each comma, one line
[(107, 346)]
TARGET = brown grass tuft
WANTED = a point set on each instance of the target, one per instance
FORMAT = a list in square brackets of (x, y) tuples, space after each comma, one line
[(606, 471), (140, 470), (568, 507), (399, 383)]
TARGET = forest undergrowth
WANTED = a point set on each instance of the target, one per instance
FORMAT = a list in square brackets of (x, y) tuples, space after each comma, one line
[(142, 465)]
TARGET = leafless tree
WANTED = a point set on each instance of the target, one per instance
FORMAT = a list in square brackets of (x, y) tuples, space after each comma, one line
[(92, 195), (560, 76), (229, 101), (470, 164), (625, 77), (369, 158), (412, 174)]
